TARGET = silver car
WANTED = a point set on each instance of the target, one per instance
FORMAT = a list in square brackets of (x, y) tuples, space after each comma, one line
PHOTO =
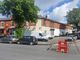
[(70, 38), (13, 39)]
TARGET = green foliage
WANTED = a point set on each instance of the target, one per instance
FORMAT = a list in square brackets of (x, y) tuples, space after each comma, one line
[(1, 6), (73, 17), (20, 10), (19, 32)]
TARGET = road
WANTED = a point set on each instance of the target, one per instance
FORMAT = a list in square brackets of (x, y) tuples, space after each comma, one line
[(37, 52)]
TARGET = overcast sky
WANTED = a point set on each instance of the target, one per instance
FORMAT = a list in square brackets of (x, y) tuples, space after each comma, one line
[(55, 9)]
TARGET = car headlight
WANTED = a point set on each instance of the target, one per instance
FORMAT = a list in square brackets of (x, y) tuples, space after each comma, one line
[(33, 39), (13, 39)]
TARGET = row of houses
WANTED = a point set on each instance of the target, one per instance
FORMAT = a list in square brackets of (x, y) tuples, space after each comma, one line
[(43, 25), (49, 27)]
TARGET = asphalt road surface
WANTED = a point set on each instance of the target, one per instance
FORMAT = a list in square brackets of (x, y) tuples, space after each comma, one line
[(37, 52)]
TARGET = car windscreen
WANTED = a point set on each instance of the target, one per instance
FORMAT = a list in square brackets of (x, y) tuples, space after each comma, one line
[(79, 34), (11, 36), (28, 38)]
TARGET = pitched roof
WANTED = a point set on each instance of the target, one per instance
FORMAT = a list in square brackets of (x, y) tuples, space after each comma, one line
[(4, 19)]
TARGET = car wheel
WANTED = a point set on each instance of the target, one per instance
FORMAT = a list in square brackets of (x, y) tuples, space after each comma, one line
[(36, 43), (31, 43), (18, 42)]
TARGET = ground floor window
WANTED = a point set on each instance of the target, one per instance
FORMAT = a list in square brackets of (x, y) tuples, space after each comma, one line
[(52, 31), (1, 31), (10, 31)]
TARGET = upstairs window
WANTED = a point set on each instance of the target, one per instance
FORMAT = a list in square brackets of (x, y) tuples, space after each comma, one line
[(2, 24), (12, 23)]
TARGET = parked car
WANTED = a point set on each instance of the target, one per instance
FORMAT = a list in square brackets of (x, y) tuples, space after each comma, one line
[(42, 37), (28, 40), (70, 37), (78, 35), (9, 39), (5, 40), (13, 39), (1, 38)]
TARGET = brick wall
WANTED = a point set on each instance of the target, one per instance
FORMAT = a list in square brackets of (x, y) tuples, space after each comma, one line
[(5, 25), (53, 24), (68, 27)]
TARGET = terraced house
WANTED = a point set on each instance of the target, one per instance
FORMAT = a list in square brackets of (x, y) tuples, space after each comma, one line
[(7, 26), (48, 27), (45, 26)]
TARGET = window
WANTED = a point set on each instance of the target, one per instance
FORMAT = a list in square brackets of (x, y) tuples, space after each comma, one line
[(40, 34), (52, 31), (2, 24), (1, 31), (12, 23)]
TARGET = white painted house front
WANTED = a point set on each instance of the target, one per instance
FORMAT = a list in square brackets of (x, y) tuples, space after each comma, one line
[(47, 27)]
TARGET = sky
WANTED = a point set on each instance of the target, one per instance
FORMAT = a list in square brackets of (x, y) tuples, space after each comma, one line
[(55, 9)]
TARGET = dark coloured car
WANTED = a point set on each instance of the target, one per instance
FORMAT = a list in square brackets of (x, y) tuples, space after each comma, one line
[(5, 40), (1, 37), (12, 38), (8, 39), (28, 40)]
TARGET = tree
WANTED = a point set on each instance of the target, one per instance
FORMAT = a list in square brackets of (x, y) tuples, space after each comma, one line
[(20, 10), (73, 17), (1, 6)]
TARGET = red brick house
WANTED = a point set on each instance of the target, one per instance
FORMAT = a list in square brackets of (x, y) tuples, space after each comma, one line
[(6, 26)]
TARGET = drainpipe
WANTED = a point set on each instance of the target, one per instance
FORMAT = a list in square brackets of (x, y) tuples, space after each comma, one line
[(6, 27)]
